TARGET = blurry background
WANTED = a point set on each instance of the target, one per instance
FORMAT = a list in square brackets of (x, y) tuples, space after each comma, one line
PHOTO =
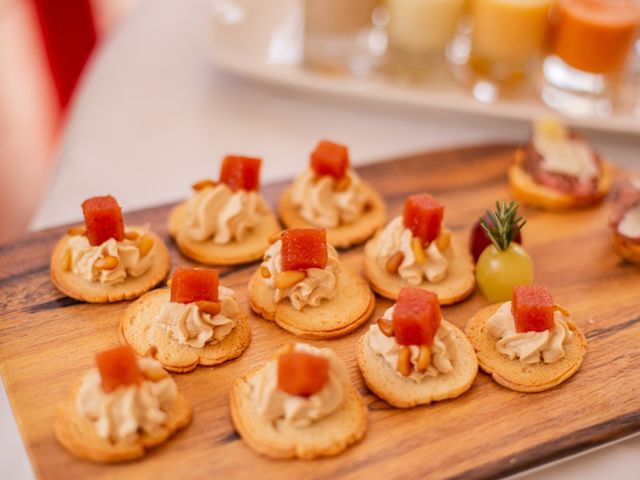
[(44, 45)]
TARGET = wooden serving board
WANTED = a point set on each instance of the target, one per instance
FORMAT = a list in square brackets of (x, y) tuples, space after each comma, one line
[(48, 340)]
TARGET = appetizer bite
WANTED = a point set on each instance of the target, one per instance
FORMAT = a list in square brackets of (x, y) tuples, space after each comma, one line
[(121, 408), (528, 344), (104, 261), (195, 322), (332, 196), (558, 170), (625, 221), (301, 404), (415, 249), (412, 356), (225, 222), (302, 286), (503, 263)]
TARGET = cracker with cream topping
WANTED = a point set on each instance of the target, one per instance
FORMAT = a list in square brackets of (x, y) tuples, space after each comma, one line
[(351, 306), (136, 328), (529, 192), (456, 286), (233, 253), (78, 434), (325, 437), (519, 376), (402, 392), (346, 234), (626, 248), (95, 292)]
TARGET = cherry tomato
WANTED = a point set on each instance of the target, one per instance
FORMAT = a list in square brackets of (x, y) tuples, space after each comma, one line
[(498, 271)]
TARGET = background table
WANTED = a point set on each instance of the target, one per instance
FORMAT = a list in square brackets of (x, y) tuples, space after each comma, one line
[(153, 115)]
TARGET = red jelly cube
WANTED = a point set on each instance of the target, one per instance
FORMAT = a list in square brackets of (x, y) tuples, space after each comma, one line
[(301, 373), (193, 284), (416, 317), (103, 219), (330, 159), (532, 308), (423, 216), (118, 366), (241, 172), (304, 248)]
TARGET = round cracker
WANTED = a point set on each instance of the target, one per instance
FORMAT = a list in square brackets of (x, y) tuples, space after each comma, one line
[(326, 437), (177, 357), (402, 392), (95, 292), (78, 435), (514, 374), (626, 248), (351, 306), (232, 253), (456, 286), (529, 192), (344, 235)]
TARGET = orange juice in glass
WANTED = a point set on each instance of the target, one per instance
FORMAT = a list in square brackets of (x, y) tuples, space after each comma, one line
[(507, 37), (591, 44)]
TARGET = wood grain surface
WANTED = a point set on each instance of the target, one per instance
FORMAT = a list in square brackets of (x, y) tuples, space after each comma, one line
[(48, 340)]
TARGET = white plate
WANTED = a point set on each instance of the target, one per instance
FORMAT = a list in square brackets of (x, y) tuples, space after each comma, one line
[(262, 40)]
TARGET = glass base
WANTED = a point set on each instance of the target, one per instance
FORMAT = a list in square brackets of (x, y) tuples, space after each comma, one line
[(575, 92)]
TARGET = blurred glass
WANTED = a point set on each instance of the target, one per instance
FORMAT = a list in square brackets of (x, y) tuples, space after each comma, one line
[(338, 35), (507, 41), (592, 41)]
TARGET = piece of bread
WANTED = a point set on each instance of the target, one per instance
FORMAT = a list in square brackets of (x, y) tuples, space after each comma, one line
[(344, 235), (402, 392), (351, 306), (457, 285), (627, 249), (78, 435), (95, 292), (326, 437), (514, 374), (232, 253), (529, 192), (137, 321)]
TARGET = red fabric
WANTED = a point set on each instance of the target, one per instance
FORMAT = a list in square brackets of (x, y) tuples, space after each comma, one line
[(69, 35)]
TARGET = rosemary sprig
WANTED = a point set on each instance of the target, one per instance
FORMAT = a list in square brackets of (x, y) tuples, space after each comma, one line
[(503, 224)]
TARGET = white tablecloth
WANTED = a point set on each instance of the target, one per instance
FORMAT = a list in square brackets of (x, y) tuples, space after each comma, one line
[(152, 115)]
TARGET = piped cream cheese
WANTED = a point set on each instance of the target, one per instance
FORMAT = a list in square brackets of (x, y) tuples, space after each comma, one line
[(320, 204), (529, 347), (276, 405), (126, 412), (397, 238), (188, 325), (222, 215), (130, 262), (443, 350), (318, 284)]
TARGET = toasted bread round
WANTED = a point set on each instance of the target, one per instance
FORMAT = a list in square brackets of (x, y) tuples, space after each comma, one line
[(529, 192), (351, 306), (232, 253), (626, 248), (519, 376), (95, 292), (135, 330), (326, 437), (78, 435), (456, 286), (344, 235), (402, 392)]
